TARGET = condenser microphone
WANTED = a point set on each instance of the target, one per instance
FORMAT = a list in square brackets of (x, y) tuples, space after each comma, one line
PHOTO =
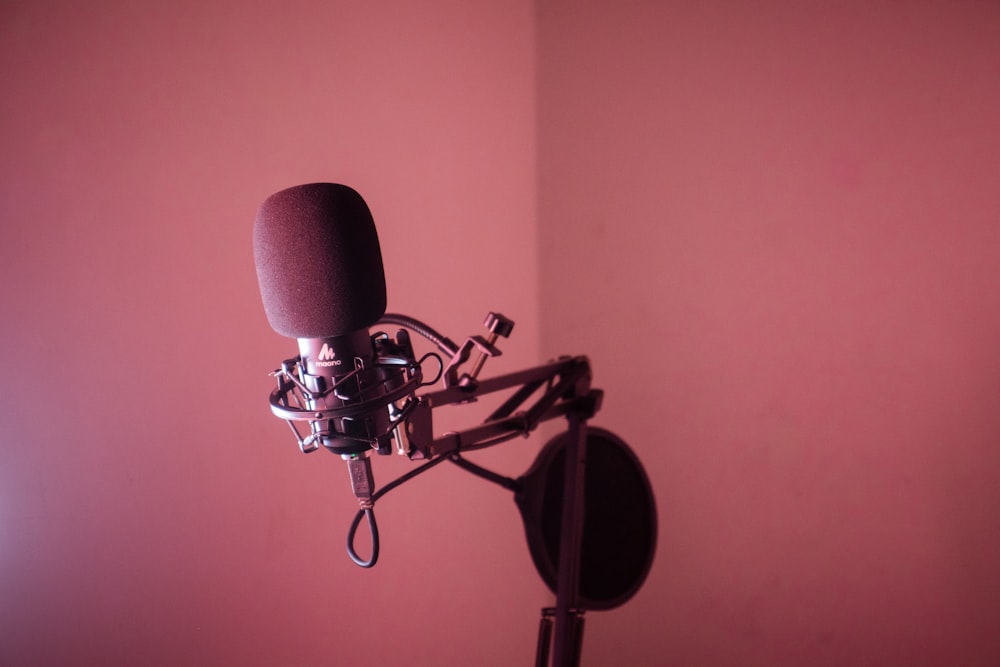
[(319, 267)]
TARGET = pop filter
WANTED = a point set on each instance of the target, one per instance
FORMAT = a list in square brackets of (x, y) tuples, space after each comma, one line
[(619, 524)]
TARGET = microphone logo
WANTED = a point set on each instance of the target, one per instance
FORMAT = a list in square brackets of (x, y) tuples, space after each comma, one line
[(326, 357)]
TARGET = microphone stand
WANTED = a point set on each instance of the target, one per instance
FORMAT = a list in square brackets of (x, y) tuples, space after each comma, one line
[(567, 393), (567, 615), (563, 388)]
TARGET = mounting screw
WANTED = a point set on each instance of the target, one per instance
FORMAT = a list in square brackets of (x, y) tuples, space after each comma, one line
[(497, 325)]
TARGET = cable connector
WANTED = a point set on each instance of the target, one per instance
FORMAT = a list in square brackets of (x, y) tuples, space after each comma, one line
[(362, 481)]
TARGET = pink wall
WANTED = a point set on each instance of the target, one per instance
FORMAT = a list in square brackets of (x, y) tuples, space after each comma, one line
[(774, 231), (775, 228), (151, 509)]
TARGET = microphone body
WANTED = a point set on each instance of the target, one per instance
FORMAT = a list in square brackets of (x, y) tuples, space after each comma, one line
[(319, 267), (343, 374)]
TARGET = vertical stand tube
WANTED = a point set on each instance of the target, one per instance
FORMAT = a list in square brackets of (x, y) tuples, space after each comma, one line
[(544, 648), (544, 638), (569, 621)]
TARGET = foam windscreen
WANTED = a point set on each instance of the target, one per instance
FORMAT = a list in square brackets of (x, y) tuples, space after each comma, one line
[(318, 260)]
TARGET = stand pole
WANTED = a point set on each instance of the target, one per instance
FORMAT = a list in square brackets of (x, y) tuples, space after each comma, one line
[(545, 636), (568, 615)]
